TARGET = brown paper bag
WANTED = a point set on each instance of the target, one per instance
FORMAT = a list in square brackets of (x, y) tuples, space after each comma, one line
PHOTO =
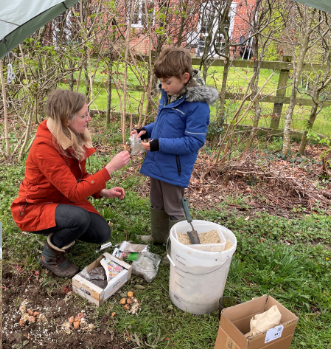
[(263, 322)]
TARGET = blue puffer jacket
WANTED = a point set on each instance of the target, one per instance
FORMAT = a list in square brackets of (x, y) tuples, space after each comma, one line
[(181, 128)]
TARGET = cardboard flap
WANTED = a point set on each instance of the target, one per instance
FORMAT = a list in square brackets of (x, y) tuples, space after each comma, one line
[(286, 314), (118, 261), (233, 331), (243, 310), (223, 340)]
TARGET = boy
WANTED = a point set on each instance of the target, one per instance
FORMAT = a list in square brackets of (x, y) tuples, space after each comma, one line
[(176, 137)]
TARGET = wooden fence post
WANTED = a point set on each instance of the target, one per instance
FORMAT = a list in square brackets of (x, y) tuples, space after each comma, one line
[(281, 92)]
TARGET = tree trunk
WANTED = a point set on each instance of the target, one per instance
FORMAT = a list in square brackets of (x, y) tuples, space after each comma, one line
[(256, 70), (182, 26), (87, 80), (4, 99), (224, 82), (126, 56), (312, 118), (109, 87), (28, 128), (71, 76), (296, 79)]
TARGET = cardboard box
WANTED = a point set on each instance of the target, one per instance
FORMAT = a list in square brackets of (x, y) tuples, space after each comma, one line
[(96, 294), (235, 323)]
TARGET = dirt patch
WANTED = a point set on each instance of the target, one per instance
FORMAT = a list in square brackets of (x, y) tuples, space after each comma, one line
[(57, 308), (258, 182)]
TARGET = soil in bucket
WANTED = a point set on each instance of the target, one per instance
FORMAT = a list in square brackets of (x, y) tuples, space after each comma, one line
[(198, 277)]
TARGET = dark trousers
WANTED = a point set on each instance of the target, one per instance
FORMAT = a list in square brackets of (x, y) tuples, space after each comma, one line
[(76, 223)]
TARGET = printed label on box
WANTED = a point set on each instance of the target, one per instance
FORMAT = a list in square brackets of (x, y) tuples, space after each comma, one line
[(274, 333)]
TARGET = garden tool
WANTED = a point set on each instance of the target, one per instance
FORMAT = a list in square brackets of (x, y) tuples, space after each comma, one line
[(103, 247), (193, 234)]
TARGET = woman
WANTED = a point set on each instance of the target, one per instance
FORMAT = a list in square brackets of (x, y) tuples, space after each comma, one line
[(52, 198)]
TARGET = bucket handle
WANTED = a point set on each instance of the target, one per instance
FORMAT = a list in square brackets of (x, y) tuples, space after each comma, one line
[(186, 272), (171, 261)]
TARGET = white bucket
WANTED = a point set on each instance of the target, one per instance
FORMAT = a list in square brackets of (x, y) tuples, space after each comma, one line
[(197, 278)]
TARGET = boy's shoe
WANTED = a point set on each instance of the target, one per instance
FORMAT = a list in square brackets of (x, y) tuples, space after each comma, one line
[(146, 238), (53, 259), (161, 226)]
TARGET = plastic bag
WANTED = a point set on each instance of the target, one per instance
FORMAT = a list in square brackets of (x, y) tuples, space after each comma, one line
[(126, 248), (96, 275), (136, 147), (146, 266)]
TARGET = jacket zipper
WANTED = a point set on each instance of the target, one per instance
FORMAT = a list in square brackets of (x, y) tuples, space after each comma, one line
[(179, 167)]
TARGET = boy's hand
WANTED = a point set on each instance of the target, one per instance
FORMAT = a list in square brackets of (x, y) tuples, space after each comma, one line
[(142, 132), (146, 145)]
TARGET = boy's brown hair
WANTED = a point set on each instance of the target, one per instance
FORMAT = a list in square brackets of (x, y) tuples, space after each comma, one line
[(173, 61)]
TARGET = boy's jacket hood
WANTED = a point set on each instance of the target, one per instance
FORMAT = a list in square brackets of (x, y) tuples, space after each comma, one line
[(196, 91)]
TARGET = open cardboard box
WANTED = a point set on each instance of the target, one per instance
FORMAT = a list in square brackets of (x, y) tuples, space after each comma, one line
[(235, 323), (96, 294)]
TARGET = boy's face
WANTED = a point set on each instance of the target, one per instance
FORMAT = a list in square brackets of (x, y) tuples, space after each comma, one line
[(173, 85)]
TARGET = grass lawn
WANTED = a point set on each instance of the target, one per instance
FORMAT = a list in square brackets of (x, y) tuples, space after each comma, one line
[(286, 257), (237, 82)]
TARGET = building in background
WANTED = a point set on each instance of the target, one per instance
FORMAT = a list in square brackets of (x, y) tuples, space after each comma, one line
[(187, 23)]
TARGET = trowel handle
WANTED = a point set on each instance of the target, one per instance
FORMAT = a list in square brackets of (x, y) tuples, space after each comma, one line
[(186, 210)]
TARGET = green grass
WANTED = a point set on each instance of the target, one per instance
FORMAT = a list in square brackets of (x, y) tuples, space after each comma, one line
[(288, 259), (237, 81)]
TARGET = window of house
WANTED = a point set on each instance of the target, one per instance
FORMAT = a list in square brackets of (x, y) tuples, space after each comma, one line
[(209, 19), (139, 17)]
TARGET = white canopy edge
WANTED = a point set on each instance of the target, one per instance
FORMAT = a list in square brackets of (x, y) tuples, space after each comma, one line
[(323, 5), (14, 13)]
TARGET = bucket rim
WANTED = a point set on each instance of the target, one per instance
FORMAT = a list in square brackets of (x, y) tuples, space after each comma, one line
[(201, 252)]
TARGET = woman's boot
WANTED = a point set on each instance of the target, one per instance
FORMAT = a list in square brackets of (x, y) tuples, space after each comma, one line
[(53, 259)]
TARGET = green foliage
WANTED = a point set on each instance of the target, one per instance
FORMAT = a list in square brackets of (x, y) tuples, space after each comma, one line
[(288, 259)]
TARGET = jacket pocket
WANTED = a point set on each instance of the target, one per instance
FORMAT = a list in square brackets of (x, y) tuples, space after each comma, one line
[(179, 167)]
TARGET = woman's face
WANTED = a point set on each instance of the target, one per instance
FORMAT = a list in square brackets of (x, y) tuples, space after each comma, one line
[(79, 123)]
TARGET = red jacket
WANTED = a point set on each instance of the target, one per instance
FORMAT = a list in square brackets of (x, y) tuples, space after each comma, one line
[(52, 178)]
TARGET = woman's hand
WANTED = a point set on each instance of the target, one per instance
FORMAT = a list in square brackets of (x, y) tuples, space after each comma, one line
[(118, 161), (112, 193), (142, 132)]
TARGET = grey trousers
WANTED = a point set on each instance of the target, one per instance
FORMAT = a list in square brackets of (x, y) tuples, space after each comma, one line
[(165, 196)]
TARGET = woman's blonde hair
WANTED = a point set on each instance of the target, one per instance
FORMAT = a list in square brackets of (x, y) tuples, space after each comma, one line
[(62, 105)]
